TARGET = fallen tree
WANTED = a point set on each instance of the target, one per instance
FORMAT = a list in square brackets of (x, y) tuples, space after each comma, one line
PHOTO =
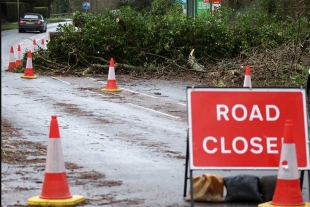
[(160, 45), (52, 35)]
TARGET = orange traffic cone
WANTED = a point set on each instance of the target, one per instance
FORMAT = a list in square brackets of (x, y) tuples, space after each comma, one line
[(34, 43), (247, 77), (55, 191), (19, 56), (12, 63), (43, 44), (287, 191), (29, 70), (111, 84)]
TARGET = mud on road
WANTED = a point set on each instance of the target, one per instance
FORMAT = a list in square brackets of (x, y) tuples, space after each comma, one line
[(24, 162)]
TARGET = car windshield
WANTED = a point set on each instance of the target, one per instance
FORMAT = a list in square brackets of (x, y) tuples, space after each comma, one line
[(31, 16)]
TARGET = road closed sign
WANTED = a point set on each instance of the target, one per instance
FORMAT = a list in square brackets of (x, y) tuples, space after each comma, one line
[(241, 128)]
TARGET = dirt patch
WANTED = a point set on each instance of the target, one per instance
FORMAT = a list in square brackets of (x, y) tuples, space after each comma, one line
[(72, 166), (89, 89), (18, 151), (174, 154), (91, 175), (180, 157), (7, 130), (15, 150), (109, 199), (160, 147), (73, 109), (109, 183), (30, 92), (21, 153), (102, 121)]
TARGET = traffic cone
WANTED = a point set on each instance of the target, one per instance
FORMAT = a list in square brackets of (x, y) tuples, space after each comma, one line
[(287, 191), (29, 70), (19, 57), (43, 44), (12, 63), (55, 191), (34, 43), (247, 77), (111, 84)]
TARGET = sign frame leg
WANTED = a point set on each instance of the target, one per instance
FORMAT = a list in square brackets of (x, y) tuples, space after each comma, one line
[(192, 187), (186, 166), (302, 173), (308, 172)]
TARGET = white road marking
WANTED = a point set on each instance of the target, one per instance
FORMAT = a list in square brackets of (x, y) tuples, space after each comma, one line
[(176, 117), (98, 94), (93, 92), (62, 81), (143, 94)]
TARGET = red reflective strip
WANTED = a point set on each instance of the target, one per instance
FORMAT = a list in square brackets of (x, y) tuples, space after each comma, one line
[(111, 84), (287, 193), (55, 186)]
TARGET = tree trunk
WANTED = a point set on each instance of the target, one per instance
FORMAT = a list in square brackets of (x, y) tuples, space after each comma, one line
[(121, 23), (52, 35)]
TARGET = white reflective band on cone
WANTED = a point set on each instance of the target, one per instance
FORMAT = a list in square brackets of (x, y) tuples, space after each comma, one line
[(111, 75), (247, 81), (29, 63), (18, 56), (289, 171), (12, 59), (54, 160)]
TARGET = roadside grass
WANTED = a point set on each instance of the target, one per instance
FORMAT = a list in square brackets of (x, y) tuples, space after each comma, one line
[(8, 26), (14, 25)]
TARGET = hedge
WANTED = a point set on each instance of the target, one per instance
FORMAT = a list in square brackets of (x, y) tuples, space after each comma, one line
[(9, 10), (41, 10)]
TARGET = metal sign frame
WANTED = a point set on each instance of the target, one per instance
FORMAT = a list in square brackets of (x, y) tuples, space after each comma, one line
[(188, 164)]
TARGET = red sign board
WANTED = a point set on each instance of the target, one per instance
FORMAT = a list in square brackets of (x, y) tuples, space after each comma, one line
[(216, 1), (243, 128)]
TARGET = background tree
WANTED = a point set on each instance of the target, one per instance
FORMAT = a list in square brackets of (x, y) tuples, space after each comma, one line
[(64, 6), (137, 5), (283, 8)]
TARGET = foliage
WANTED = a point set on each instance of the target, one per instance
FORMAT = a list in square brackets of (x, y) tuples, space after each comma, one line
[(254, 28), (10, 11), (137, 5), (161, 33), (9, 26), (6, 11), (19, 69), (64, 6), (42, 3), (162, 37), (42, 10)]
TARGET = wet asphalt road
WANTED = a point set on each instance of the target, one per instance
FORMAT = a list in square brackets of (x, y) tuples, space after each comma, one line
[(137, 136)]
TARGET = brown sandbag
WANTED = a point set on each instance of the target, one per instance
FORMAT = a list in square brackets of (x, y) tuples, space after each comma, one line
[(208, 188)]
